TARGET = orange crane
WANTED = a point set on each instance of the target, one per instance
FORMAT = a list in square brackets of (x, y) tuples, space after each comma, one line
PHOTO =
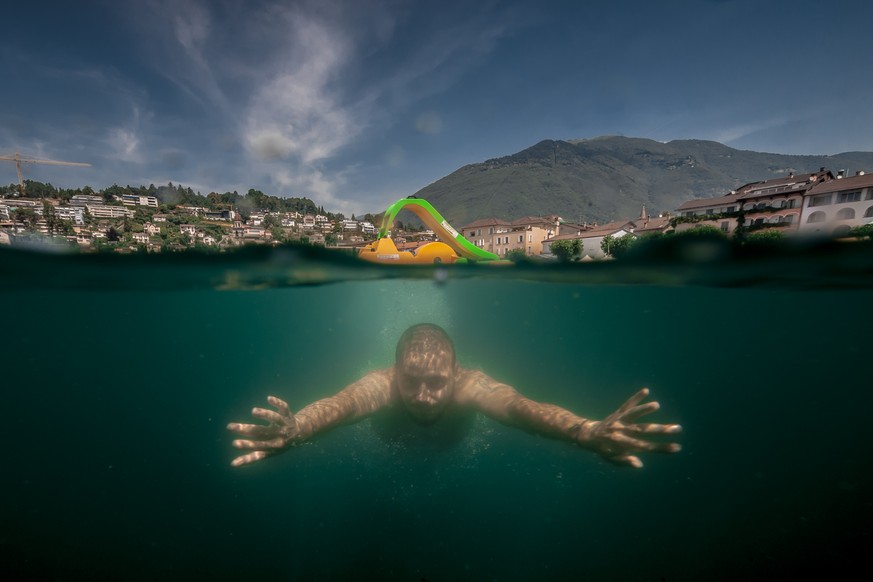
[(19, 160)]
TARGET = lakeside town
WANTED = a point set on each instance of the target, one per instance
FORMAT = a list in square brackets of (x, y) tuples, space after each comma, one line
[(171, 218)]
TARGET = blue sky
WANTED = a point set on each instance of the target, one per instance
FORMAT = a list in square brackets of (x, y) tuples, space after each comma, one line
[(356, 103)]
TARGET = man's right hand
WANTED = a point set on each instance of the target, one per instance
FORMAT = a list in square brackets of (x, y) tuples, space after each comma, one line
[(275, 437)]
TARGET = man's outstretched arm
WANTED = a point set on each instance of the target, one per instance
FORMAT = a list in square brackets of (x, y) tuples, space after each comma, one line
[(618, 437), (284, 429)]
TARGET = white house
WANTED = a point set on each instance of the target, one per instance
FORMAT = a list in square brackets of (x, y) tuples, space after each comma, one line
[(836, 206)]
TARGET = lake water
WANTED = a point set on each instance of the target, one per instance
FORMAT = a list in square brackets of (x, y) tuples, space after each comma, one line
[(120, 373)]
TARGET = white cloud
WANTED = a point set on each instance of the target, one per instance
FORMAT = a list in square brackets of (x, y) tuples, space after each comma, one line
[(737, 132), (429, 123), (191, 28), (124, 141), (299, 111), (124, 144)]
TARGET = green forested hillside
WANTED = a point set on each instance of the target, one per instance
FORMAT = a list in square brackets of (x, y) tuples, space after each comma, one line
[(608, 178)]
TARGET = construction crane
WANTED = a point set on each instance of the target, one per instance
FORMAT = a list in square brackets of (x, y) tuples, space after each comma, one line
[(19, 160)]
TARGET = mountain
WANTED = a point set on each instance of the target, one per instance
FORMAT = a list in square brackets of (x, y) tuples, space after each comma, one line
[(608, 178)]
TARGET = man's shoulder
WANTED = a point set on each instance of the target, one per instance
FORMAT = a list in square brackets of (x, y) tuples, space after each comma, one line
[(470, 384)]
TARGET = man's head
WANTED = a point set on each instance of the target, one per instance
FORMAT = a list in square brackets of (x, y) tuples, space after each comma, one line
[(425, 371)]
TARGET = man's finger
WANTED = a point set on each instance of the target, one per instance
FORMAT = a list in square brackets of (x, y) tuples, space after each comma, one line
[(249, 458), (268, 415), (252, 430), (652, 428), (639, 445), (626, 459), (635, 399), (628, 405), (276, 443), (635, 412), (280, 404)]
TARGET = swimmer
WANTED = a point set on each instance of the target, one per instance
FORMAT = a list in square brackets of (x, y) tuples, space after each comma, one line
[(426, 383)]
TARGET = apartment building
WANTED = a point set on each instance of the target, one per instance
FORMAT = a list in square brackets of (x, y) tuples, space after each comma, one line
[(137, 200), (836, 206), (774, 203), (104, 211)]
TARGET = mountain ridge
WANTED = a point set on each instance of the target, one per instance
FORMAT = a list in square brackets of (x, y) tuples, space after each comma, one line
[(612, 177)]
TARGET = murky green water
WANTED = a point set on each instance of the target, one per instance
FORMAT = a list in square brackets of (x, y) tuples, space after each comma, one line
[(119, 375)]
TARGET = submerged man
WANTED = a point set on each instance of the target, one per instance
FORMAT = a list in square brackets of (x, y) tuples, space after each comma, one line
[(428, 385)]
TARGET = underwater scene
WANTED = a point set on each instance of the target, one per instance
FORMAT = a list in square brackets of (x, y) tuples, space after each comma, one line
[(121, 373)]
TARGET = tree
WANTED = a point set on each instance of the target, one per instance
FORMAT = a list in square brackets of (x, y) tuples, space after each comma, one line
[(26, 215), (617, 246), (865, 231), (48, 214), (768, 236), (566, 250), (516, 255)]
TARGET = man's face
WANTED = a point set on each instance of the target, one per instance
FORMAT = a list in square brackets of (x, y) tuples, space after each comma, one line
[(425, 385)]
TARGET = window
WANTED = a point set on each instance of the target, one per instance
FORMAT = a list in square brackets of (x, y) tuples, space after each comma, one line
[(777, 204), (848, 196), (869, 213), (816, 217), (760, 206), (775, 219), (846, 214), (869, 194), (790, 203), (725, 226), (521, 238), (820, 200), (731, 209), (789, 219), (710, 210)]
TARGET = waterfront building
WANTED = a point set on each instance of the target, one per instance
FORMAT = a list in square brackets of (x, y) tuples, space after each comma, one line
[(836, 206)]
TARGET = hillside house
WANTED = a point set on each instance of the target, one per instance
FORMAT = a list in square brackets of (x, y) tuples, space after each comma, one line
[(137, 200), (76, 214), (218, 215)]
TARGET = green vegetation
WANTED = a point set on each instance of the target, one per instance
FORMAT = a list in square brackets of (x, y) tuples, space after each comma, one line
[(566, 250), (862, 232), (703, 230), (769, 236), (516, 255), (617, 247)]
